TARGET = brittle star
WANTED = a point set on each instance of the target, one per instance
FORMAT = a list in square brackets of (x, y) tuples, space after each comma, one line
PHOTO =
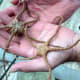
[(44, 48), (16, 27)]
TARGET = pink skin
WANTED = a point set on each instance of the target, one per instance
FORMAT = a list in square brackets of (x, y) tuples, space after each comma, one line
[(52, 8), (42, 30)]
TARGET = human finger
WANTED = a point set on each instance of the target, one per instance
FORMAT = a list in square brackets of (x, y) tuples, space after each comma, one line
[(37, 65)]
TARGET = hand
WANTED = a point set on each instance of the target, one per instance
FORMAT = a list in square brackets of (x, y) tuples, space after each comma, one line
[(48, 10), (25, 49)]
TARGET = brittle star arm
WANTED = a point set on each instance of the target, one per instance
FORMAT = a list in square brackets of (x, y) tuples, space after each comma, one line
[(7, 45), (27, 37), (61, 49), (14, 32), (22, 10), (3, 27), (61, 20), (50, 71), (29, 58)]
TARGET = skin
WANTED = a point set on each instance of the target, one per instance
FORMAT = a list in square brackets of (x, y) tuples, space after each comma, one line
[(52, 8), (42, 30)]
